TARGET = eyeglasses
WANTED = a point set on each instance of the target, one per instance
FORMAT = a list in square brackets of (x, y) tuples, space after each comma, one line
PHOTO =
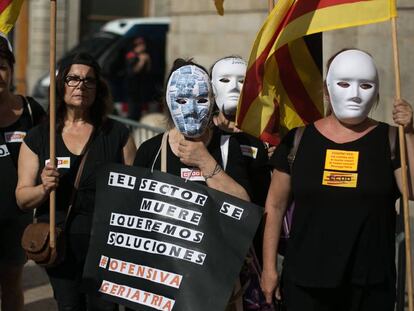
[(74, 81)]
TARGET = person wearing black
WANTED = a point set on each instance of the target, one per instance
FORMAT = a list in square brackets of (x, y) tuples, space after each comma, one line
[(344, 181), (140, 82), (17, 115), (227, 78), (83, 102)]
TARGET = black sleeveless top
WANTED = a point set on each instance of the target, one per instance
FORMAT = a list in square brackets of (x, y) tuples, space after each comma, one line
[(11, 138), (106, 147), (343, 224)]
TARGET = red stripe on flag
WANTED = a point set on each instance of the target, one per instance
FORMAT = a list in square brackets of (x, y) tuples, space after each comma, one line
[(253, 82), (304, 7), (271, 133), (4, 4), (304, 105)]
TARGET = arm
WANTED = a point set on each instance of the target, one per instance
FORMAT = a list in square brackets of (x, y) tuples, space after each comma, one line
[(129, 151), (195, 154), (276, 204), (144, 62), (403, 115), (28, 194)]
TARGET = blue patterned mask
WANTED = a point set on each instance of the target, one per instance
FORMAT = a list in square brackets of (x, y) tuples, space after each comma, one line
[(188, 98)]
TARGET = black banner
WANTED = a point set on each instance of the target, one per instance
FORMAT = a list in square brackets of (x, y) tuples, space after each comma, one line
[(159, 243)]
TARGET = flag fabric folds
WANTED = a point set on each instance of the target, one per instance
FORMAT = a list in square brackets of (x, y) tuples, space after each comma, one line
[(283, 84), (9, 11)]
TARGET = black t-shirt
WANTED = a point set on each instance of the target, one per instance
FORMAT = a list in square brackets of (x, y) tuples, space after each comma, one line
[(147, 154), (344, 219), (11, 138), (105, 147), (256, 163)]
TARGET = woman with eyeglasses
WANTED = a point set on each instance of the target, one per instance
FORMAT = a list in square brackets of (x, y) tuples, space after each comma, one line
[(82, 106)]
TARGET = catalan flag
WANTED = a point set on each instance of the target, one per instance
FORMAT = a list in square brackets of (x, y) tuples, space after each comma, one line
[(283, 86), (9, 11)]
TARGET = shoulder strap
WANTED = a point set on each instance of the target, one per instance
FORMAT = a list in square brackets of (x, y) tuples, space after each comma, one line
[(84, 154), (296, 142), (392, 136), (29, 108), (164, 152), (224, 148)]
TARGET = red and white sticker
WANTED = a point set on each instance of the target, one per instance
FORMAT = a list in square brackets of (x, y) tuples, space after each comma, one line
[(195, 173), (62, 162), (14, 137)]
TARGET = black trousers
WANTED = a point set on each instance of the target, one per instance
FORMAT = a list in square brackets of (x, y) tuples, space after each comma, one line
[(348, 297), (66, 279)]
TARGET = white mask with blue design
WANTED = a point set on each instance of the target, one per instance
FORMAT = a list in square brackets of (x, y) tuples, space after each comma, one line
[(188, 98)]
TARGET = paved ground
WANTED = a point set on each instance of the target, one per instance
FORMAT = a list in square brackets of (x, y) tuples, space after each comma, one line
[(38, 295)]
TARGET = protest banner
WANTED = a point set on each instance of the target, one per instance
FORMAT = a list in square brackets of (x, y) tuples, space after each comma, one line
[(160, 243)]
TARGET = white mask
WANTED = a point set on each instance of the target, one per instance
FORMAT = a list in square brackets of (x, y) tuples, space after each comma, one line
[(352, 82), (227, 80), (188, 99)]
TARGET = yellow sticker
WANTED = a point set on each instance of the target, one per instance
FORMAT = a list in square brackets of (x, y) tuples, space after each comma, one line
[(339, 179), (341, 160)]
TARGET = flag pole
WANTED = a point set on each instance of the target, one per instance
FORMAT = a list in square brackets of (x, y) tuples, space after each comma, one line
[(52, 120), (407, 230), (270, 5)]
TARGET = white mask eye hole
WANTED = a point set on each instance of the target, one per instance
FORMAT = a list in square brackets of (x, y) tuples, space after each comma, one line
[(241, 81), (366, 86), (181, 101), (202, 100), (343, 84), (225, 80)]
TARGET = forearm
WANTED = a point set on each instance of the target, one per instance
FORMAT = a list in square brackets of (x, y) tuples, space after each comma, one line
[(223, 182), (31, 197), (273, 223)]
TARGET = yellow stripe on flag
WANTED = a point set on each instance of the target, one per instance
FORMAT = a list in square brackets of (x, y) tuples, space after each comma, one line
[(9, 16)]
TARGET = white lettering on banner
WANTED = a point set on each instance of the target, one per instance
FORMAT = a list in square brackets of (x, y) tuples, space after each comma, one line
[(4, 152), (144, 272), (149, 185), (121, 180), (153, 225), (62, 162), (231, 210), (136, 295), (155, 247), (14, 137), (171, 211)]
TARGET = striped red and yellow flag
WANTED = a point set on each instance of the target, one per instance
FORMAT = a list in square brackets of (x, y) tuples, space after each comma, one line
[(9, 11), (283, 86)]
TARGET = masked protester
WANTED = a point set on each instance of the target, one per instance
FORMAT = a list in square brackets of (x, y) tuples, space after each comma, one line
[(193, 148), (17, 115), (227, 77), (345, 181), (84, 133)]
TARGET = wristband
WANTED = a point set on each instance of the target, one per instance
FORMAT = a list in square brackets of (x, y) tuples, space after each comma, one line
[(217, 169)]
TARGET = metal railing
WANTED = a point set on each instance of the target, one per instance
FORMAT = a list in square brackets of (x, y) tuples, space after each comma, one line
[(140, 132)]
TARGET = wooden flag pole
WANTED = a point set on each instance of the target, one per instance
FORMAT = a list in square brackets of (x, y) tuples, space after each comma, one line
[(270, 5), (407, 230), (52, 120)]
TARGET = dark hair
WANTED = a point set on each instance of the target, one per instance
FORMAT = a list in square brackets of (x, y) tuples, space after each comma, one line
[(6, 53), (103, 101), (178, 63)]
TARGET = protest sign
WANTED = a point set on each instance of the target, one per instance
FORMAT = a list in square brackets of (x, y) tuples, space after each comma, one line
[(160, 243)]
